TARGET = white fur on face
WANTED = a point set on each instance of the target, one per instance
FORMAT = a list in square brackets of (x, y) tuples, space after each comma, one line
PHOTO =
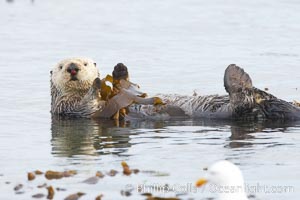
[(87, 73)]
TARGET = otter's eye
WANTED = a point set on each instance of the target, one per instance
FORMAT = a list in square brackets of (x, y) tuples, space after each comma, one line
[(85, 64), (95, 64), (60, 66), (51, 72)]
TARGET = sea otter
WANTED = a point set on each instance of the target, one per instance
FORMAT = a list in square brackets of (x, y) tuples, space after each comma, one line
[(243, 102), (76, 91), (74, 88)]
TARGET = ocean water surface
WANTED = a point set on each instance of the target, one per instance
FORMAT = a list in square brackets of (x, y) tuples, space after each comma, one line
[(169, 46)]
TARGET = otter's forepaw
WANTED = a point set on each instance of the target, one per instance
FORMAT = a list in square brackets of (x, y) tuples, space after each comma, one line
[(97, 83)]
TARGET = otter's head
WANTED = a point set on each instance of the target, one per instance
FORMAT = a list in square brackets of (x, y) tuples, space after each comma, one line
[(75, 74)]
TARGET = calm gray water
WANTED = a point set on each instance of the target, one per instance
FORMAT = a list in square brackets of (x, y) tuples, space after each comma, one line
[(170, 46)]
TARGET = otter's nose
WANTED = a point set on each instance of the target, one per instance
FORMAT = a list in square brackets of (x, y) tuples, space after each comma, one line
[(73, 69)]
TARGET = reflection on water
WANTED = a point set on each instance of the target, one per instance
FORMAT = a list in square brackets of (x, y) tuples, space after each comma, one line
[(243, 132), (71, 137), (187, 144), (87, 137)]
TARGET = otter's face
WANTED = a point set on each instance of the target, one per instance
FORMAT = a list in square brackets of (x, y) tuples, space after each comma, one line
[(74, 74)]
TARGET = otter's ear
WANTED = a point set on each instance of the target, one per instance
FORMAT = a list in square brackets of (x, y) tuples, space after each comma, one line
[(95, 64)]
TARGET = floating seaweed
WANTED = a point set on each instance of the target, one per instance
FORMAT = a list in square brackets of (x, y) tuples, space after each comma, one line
[(42, 186), (38, 196), (60, 189), (99, 174), (161, 198), (49, 175), (91, 180), (38, 172), (18, 187), (58, 175), (50, 192), (150, 197), (74, 196), (126, 170), (30, 176), (99, 197), (126, 193), (94, 179), (112, 172)]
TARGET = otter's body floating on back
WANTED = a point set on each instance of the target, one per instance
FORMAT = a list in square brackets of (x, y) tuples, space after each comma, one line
[(76, 91), (243, 102)]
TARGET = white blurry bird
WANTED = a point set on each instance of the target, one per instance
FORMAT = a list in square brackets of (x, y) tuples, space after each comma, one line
[(225, 179)]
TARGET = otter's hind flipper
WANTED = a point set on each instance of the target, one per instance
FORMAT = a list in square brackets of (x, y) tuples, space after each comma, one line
[(235, 79), (241, 93), (247, 101)]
